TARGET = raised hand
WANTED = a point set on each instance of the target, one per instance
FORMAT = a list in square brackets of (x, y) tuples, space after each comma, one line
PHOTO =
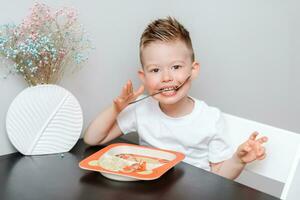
[(252, 149), (127, 96)]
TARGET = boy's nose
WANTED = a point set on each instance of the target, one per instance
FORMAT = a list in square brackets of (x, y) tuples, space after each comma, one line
[(167, 76)]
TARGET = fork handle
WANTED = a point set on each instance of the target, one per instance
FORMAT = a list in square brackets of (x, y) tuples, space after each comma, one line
[(161, 91), (139, 99), (145, 97)]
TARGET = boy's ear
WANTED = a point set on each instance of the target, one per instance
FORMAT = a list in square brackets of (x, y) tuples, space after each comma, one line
[(195, 69), (141, 74)]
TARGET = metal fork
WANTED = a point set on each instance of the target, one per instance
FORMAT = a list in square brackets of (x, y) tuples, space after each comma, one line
[(177, 88)]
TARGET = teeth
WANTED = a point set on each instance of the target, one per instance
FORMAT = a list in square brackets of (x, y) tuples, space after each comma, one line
[(168, 89)]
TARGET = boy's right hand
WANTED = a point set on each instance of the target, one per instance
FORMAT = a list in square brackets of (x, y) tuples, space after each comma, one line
[(127, 96)]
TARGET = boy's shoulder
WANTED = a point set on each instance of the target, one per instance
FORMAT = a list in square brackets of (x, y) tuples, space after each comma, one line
[(207, 110)]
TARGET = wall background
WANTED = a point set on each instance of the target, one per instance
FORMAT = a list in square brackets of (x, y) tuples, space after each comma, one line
[(248, 50)]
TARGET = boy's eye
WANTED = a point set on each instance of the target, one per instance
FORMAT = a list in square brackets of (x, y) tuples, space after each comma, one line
[(176, 66), (155, 70)]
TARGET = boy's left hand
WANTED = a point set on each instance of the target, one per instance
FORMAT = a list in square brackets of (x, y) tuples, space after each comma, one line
[(252, 149)]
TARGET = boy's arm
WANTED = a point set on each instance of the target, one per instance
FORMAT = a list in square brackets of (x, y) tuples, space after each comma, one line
[(105, 128), (230, 168), (247, 152)]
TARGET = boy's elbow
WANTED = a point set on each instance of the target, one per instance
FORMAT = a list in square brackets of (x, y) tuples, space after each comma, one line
[(89, 140), (86, 140)]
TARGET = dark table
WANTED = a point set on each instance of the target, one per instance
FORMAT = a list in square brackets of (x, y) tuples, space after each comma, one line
[(58, 176)]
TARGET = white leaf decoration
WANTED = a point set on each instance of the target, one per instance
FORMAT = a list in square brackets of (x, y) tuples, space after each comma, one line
[(44, 119)]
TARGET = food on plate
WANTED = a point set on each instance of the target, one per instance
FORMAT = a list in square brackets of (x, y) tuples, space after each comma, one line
[(130, 163)]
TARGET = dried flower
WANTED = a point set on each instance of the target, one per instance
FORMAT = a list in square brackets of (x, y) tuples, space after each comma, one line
[(44, 45)]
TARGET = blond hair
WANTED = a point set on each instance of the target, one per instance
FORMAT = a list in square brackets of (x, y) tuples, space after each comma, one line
[(166, 30)]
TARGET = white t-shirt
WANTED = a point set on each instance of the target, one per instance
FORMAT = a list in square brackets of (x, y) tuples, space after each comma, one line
[(199, 135)]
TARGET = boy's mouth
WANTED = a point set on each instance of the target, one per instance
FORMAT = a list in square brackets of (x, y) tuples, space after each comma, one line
[(174, 88), (168, 91)]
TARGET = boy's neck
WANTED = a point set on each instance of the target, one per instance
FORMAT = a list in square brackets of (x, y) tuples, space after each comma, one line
[(183, 107)]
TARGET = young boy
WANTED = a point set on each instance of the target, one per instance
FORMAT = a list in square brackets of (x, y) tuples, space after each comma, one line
[(172, 119)]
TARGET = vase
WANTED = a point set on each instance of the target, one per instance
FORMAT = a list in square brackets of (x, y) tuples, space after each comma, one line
[(44, 119)]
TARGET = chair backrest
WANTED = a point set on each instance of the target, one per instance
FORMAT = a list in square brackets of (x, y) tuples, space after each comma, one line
[(283, 154)]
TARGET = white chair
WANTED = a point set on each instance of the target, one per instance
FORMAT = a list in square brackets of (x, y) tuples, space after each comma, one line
[(281, 166)]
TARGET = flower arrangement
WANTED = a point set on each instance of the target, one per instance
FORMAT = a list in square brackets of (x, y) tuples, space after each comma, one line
[(44, 45)]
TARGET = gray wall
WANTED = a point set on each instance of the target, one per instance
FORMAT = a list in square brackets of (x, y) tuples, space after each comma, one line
[(248, 52)]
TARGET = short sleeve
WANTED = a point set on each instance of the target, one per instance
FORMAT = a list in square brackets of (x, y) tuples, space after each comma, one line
[(127, 119), (220, 145)]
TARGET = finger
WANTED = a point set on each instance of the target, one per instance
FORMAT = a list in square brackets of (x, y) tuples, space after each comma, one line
[(262, 140), (124, 91), (251, 143), (115, 101), (252, 146), (248, 148), (261, 151), (242, 153), (253, 135), (118, 104), (129, 87), (262, 157), (257, 147), (118, 101), (244, 149)]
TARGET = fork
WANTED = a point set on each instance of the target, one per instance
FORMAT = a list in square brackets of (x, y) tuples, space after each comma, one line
[(166, 90)]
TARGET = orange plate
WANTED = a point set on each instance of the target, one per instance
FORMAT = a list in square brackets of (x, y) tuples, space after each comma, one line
[(172, 158)]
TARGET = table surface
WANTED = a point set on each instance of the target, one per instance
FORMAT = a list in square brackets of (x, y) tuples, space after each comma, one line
[(58, 176)]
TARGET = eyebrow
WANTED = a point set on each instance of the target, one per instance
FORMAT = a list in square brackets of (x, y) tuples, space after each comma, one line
[(151, 65), (172, 63), (178, 61)]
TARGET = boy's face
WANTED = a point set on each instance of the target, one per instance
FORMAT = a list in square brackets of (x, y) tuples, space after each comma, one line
[(167, 65)]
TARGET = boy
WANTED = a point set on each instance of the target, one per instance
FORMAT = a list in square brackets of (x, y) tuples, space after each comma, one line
[(172, 119)]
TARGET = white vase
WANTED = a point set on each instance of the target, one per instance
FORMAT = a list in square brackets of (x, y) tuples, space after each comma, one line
[(44, 119)]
